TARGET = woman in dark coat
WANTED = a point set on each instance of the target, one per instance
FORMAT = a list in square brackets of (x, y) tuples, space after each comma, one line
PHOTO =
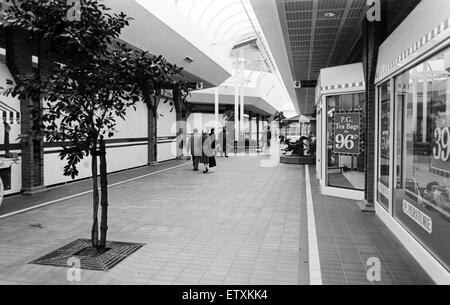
[(212, 135), (212, 158), (222, 146), (207, 151)]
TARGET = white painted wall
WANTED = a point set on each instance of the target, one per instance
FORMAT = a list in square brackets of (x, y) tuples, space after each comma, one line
[(202, 120), (341, 75), (166, 128), (16, 174), (119, 158)]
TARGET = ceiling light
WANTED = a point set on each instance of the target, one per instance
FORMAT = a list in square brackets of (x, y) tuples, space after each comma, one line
[(330, 15), (188, 60)]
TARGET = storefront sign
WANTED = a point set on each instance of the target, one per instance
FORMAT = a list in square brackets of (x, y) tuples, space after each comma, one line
[(347, 133), (385, 130), (418, 216)]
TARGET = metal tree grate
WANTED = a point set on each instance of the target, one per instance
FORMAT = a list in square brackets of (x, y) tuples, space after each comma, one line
[(113, 254)]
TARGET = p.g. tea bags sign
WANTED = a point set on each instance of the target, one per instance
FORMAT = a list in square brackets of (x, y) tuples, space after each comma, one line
[(347, 133)]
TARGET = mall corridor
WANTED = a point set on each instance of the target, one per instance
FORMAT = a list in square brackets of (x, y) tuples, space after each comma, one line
[(349, 98), (239, 224)]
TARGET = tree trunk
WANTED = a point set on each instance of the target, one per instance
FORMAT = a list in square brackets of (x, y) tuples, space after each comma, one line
[(152, 106), (104, 194), (95, 198)]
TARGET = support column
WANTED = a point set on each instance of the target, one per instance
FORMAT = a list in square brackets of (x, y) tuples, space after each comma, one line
[(236, 108), (257, 131), (374, 34), (250, 130), (216, 109), (250, 127), (45, 69), (19, 59), (242, 112), (236, 105), (181, 124)]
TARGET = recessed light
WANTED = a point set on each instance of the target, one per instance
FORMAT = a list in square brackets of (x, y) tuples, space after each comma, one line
[(188, 60), (330, 15)]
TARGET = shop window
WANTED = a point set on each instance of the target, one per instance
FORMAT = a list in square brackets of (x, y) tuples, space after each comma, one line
[(345, 141), (384, 140), (422, 158)]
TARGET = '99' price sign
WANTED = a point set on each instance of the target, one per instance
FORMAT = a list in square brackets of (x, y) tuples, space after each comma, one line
[(347, 130)]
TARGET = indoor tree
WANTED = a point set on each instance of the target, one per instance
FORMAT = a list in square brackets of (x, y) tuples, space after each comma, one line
[(280, 117), (78, 102)]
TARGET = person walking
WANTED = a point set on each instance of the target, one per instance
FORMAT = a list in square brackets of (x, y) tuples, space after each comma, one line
[(266, 139), (195, 148), (212, 135), (208, 151), (312, 144), (212, 158), (224, 141)]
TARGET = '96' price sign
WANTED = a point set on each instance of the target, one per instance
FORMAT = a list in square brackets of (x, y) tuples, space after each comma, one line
[(347, 137)]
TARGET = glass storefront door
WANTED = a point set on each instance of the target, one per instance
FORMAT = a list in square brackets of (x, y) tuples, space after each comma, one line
[(319, 143), (384, 144), (422, 154), (345, 137)]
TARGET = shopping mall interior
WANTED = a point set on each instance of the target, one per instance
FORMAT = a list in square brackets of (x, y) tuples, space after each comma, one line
[(303, 142)]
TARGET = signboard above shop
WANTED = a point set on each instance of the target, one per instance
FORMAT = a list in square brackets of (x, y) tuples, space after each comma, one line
[(347, 133)]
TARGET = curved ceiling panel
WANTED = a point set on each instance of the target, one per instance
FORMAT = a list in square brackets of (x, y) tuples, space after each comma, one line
[(232, 29), (223, 21)]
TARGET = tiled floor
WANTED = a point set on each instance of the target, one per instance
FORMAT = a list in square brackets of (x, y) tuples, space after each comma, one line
[(240, 224), (18, 202), (348, 238)]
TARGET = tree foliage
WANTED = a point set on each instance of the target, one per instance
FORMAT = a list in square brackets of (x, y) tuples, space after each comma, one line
[(99, 80), (280, 117)]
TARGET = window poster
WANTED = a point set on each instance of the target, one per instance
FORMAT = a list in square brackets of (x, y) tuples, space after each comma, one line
[(347, 127)]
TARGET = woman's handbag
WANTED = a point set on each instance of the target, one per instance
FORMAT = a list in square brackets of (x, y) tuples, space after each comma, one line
[(212, 162)]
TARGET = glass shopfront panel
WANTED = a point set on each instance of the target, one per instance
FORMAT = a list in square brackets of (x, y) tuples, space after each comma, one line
[(345, 141), (319, 144), (422, 154), (384, 140)]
